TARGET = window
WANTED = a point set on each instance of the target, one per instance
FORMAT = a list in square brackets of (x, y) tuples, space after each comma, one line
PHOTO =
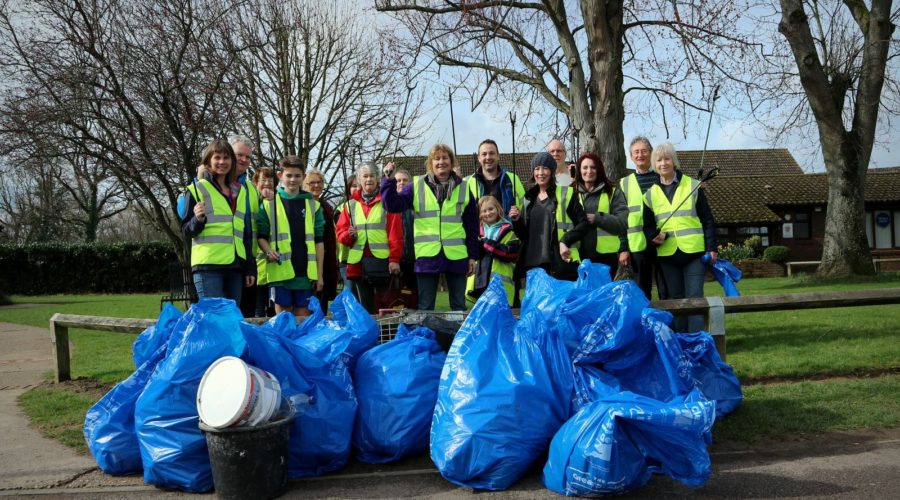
[(722, 231), (801, 225)]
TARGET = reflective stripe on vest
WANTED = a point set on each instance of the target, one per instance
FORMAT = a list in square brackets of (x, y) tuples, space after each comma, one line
[(563, 222), (249, 198), (223, 234), (371, 230), (435, 226), (637, 241), (606, 241), (281, 242), (685, 231)]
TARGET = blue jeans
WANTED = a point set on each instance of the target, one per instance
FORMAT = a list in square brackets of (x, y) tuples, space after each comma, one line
[(428, 284), (226, 284), (684, 275)]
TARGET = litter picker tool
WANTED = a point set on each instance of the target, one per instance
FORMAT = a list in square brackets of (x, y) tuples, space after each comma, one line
[(701, 175), (512, 121), (452, 121)]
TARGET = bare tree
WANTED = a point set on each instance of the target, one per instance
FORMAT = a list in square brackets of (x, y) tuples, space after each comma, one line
[(318, 83), (584, 58), (33, 205), (138, 87), (835, 80)]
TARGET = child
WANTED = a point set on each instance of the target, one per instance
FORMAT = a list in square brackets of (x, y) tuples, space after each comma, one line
[(499, 249), (264, 180), (296, 252)]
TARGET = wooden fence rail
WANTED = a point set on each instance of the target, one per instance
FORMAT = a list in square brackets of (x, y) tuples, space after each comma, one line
[(712, 308)]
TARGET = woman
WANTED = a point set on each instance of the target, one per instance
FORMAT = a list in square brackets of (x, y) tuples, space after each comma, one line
[(314, 182), (551, 225), (374, 237), (445, 226), (606, 212), (679, 222), (211, 219)]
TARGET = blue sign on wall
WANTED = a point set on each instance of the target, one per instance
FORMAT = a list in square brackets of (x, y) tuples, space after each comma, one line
[(883, 219)]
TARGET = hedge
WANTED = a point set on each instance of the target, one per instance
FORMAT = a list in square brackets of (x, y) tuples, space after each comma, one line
[(51, 268)]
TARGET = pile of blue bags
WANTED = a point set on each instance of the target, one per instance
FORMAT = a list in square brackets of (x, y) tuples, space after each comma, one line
[(589, 377)]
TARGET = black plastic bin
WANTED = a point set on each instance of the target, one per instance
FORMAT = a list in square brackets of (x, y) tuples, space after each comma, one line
[(249, 462)]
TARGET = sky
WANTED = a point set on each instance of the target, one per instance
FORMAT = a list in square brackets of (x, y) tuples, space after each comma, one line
[(727, 133)]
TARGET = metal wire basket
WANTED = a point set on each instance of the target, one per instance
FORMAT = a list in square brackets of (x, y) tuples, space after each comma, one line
[(389, 320)]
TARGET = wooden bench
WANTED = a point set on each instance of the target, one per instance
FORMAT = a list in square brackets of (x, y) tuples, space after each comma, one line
[(712, 308), (875, 262)]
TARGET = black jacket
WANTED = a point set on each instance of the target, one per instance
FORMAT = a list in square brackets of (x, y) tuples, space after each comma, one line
[(576, 214)]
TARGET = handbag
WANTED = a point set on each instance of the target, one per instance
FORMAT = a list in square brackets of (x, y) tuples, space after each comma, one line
[(376, 271), (395, 297)]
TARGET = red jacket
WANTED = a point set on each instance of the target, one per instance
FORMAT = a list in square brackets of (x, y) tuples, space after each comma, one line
[(394, 224)]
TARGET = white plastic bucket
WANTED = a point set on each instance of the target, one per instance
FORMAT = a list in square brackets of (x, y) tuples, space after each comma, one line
[(233, 393)]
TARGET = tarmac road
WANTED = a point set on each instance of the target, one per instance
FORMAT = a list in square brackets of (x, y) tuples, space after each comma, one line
[(860, 464)]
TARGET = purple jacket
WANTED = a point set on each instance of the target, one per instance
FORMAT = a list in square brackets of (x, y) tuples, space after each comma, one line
[(398, 202)]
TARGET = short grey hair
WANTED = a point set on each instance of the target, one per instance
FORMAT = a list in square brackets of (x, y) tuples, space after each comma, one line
[(665, 149), (366, 166), (234, 139), (640, 138)]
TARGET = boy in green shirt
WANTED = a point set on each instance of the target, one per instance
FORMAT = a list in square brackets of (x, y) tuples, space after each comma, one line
[(295, 253)]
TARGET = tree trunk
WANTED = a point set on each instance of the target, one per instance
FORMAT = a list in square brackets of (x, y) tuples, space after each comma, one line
[(602, 133), (846, 250)]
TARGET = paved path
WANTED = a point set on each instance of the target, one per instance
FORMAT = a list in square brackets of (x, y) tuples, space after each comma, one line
[(854, 465), (27, 460)]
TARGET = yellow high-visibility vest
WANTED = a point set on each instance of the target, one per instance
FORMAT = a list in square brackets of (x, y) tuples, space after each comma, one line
[(281, 242), (439, 226), (685, 231), (371, 229), (637, 241), (223, 234), (563, 222), (606, 241)]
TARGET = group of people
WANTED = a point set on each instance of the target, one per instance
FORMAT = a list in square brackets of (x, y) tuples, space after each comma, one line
[(394, 229)]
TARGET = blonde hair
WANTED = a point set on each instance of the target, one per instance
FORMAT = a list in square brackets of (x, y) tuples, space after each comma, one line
[(314, 173), (663, 150), (441, 148), (490, 200)]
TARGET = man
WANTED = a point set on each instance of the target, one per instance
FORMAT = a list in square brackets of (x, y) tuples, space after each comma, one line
[(641, 255), (557, 150), (490, 179), (248, 206)]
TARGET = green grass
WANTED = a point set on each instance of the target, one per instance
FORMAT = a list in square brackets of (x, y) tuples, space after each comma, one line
[(58, 413), (781, 346), (774, 410), (103, 356)]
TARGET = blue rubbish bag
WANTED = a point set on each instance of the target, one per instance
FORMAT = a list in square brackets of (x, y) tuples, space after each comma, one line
[(613, 445), (109, 423), (148, 342), (350, 319), (397, 387), (714, 377), (592, 276), (173, 450), (726, 274), (327, 410), (505, 390), (319, 388)]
